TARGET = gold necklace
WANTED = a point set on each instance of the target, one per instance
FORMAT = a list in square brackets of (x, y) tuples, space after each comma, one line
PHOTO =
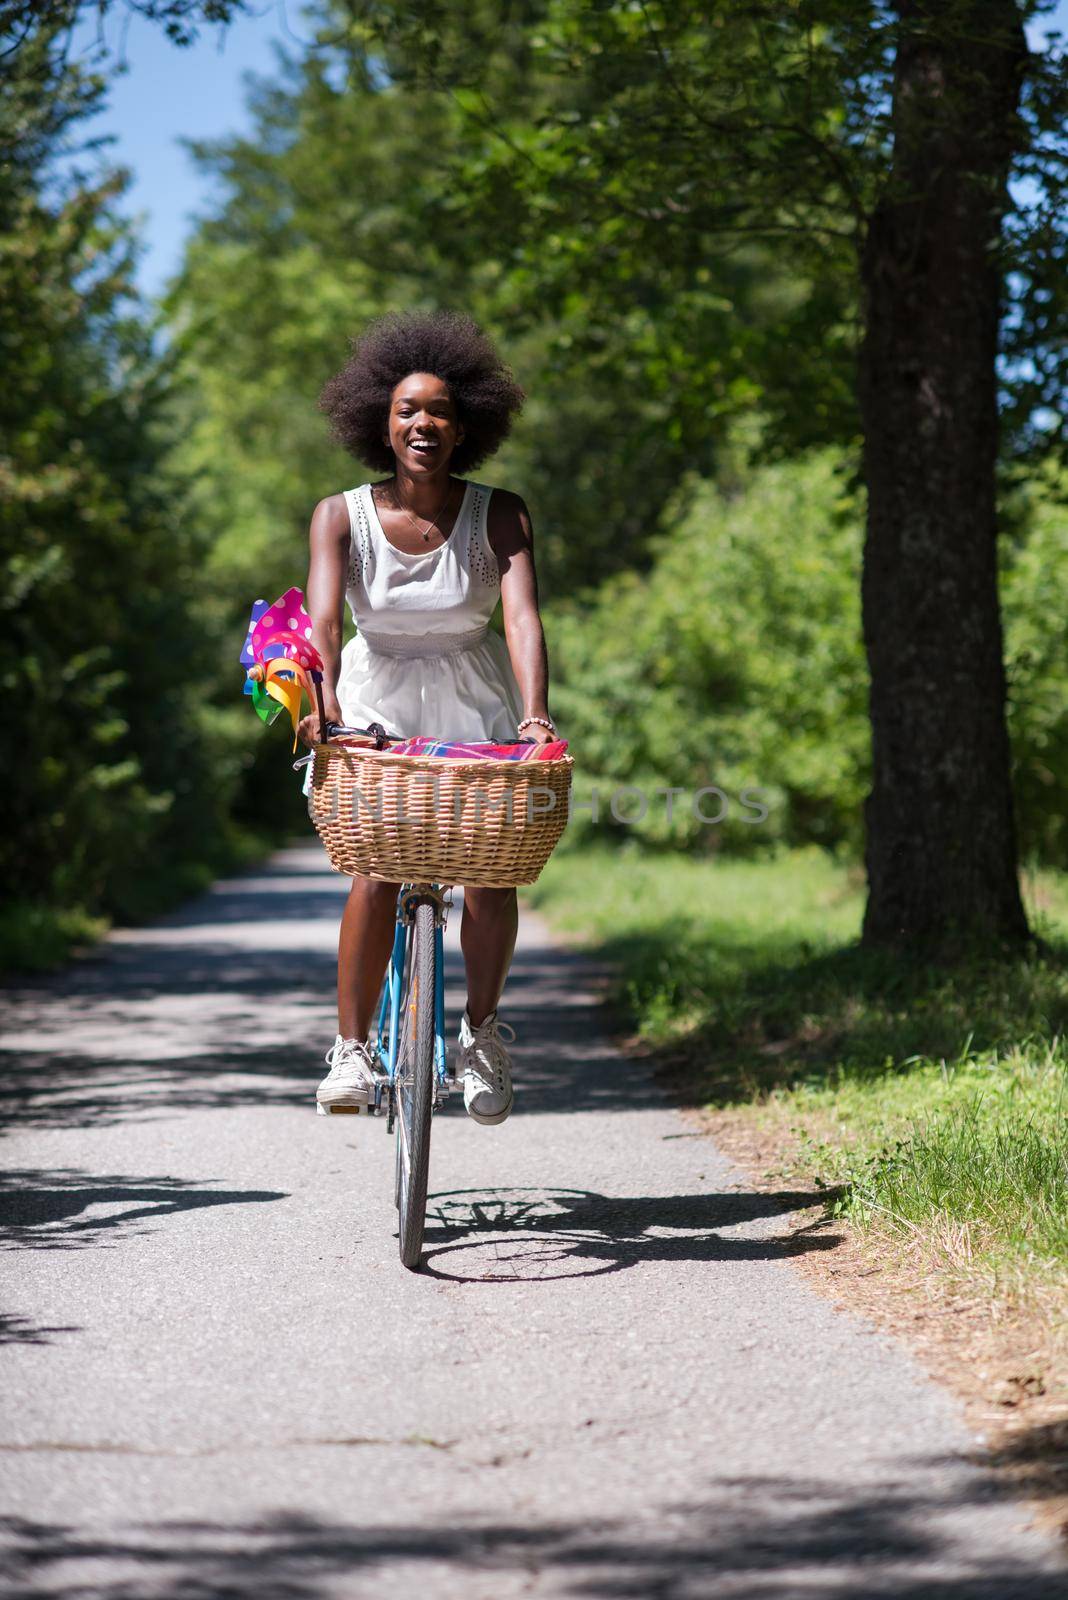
[(427, 531)]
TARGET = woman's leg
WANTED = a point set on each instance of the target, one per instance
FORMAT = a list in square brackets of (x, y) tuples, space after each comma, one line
[(364, 946), (487, 939)]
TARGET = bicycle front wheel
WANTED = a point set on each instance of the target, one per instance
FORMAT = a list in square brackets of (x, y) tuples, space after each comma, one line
[(415, 1082)]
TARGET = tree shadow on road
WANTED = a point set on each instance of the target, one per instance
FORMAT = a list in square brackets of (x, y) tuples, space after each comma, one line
[(79, 1091), (207, 1041), (770, 1014), (67, 1210), (536, 1235), (894, 1538), (21, 1330), (239, 983)]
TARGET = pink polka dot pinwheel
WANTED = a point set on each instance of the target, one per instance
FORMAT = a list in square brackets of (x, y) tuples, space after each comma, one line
[(282, 665)]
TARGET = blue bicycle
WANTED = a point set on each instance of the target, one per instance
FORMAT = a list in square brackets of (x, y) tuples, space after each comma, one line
[(412, 1075)]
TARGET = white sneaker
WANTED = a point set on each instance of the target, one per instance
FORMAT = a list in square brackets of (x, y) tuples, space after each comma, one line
[(486, 1069), (350, 1083)]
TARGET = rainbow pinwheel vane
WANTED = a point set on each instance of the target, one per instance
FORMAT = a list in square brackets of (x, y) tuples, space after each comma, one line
[(281, 663)]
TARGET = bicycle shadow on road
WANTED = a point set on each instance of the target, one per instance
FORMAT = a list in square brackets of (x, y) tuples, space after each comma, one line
[(510, 1235)]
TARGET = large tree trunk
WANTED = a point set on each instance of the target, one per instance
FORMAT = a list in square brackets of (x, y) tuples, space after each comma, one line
[(941, 845)]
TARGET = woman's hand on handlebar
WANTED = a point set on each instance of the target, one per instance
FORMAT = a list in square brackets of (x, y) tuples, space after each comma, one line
[(308, 727), (534, 733)]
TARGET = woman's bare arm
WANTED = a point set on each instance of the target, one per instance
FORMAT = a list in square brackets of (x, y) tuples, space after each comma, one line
[(511, 536), (324, 597)]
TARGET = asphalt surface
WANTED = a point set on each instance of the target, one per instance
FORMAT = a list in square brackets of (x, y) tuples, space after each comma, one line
[(609, 1380)]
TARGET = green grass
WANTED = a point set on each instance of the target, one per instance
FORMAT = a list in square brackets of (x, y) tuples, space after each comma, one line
[(37, 938), (922, 1099), (976, 1147)]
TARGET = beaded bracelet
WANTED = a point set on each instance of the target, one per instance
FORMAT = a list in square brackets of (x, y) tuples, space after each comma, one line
[(542, 722)]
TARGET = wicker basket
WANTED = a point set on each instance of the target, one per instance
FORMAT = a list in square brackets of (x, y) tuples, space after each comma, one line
[(427, 819)]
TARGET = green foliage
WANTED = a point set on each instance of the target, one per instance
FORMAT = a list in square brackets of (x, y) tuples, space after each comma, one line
[(180, 19), (735, 661), (116, 775), (37, 938), (988, 1149), (331, 212), (1034, 582), (631, 149)]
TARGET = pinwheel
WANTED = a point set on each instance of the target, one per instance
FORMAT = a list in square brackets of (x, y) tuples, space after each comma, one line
[(281, 663)]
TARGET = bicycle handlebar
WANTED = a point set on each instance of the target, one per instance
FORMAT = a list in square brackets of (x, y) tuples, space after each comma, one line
[(374, 731)]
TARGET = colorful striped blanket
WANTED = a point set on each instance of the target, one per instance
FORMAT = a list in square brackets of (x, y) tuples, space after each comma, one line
[(461, 751)]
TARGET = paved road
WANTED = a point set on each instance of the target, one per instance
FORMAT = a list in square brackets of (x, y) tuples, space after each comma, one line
[(610, 1381)]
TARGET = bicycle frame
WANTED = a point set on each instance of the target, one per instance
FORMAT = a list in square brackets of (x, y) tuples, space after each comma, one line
[(388, 1033)]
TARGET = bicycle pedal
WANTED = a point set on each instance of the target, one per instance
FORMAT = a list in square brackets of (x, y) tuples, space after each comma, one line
[(340, 1111)]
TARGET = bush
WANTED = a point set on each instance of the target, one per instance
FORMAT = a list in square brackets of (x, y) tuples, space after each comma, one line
[(1034, 582), (736, 661)]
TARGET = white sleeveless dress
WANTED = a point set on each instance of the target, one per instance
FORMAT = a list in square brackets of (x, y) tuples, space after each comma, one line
[(424, 659)]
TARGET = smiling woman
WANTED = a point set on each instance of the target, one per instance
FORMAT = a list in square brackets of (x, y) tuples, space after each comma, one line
[(358, 398), (423, 558)]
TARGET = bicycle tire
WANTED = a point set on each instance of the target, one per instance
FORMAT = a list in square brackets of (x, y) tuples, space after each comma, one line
[(415, 1086)]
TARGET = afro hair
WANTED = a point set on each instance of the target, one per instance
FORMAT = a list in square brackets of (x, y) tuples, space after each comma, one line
[(448, 345)]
